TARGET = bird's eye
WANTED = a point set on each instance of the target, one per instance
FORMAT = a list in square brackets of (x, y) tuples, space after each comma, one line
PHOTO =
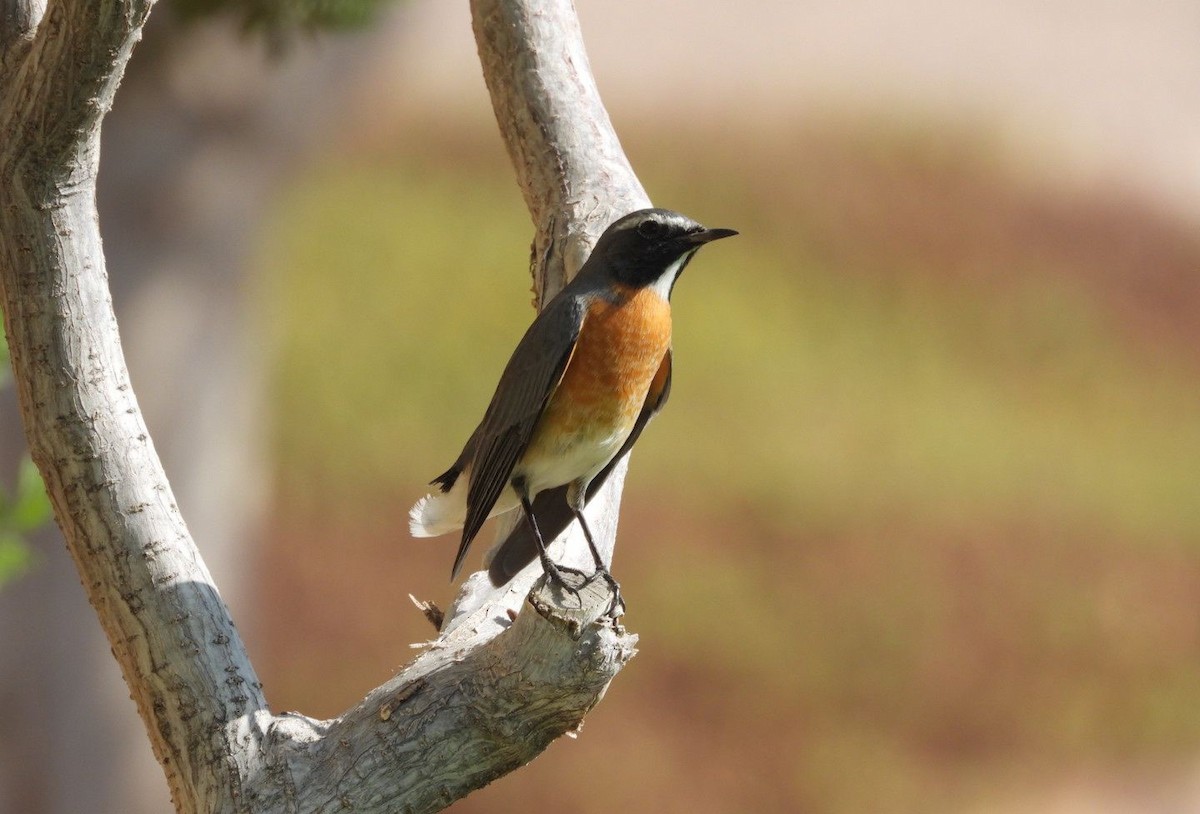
[(650, 228)]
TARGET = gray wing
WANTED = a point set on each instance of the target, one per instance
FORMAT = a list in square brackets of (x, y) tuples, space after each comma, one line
[(550, 507), (530, 378)]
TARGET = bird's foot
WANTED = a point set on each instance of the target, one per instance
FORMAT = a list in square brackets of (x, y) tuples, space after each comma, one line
[(616, 607), (573, 581), (569, 580)]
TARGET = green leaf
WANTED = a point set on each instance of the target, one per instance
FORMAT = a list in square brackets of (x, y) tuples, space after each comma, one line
[(31, 509), (4, 371), (15, 557)]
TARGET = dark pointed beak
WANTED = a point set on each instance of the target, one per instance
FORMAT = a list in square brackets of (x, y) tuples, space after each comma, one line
[(708, 236)]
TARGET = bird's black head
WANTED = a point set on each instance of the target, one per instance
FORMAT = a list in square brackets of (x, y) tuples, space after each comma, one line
[(650, 247)]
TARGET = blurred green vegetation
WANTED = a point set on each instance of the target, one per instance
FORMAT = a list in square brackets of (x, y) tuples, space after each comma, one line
[(838, 394), (389, 368), (279, 23), (23, 511), (920, 522)]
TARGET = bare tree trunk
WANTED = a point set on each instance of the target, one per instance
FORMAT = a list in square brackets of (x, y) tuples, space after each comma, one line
[(499, 684), (179, 246)]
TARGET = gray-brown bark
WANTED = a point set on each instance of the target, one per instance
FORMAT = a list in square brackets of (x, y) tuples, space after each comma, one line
[(151, 591), (484, 698), (179, 246), (570, 166)]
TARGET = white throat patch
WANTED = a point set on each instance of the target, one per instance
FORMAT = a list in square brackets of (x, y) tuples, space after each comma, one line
[(662, 286)]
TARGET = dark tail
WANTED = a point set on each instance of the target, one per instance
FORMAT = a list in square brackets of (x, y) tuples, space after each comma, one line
[(446, 480)]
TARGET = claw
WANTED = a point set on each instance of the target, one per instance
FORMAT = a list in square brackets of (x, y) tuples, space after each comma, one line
[(616, 607), (555, 573)]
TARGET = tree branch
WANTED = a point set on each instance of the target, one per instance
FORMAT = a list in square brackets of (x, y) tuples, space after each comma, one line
[(178, 649), (575, 178), (19, 21), (472, 708), (499, 684)]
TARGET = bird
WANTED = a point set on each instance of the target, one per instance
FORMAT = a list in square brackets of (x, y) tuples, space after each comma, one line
[(586, 377)]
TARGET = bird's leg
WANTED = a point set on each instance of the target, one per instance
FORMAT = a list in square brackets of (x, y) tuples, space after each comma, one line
[(576, 502), (553, 571)]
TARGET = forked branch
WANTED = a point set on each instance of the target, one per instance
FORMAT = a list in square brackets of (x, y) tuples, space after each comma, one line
[(508, 676)]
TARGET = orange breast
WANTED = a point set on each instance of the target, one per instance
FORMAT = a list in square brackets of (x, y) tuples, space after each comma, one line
[(619, 350)]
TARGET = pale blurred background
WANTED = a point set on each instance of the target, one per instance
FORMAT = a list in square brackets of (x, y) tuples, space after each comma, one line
[(920, 528)]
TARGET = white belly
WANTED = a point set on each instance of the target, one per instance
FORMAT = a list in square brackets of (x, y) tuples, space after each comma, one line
[(576, 457)]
